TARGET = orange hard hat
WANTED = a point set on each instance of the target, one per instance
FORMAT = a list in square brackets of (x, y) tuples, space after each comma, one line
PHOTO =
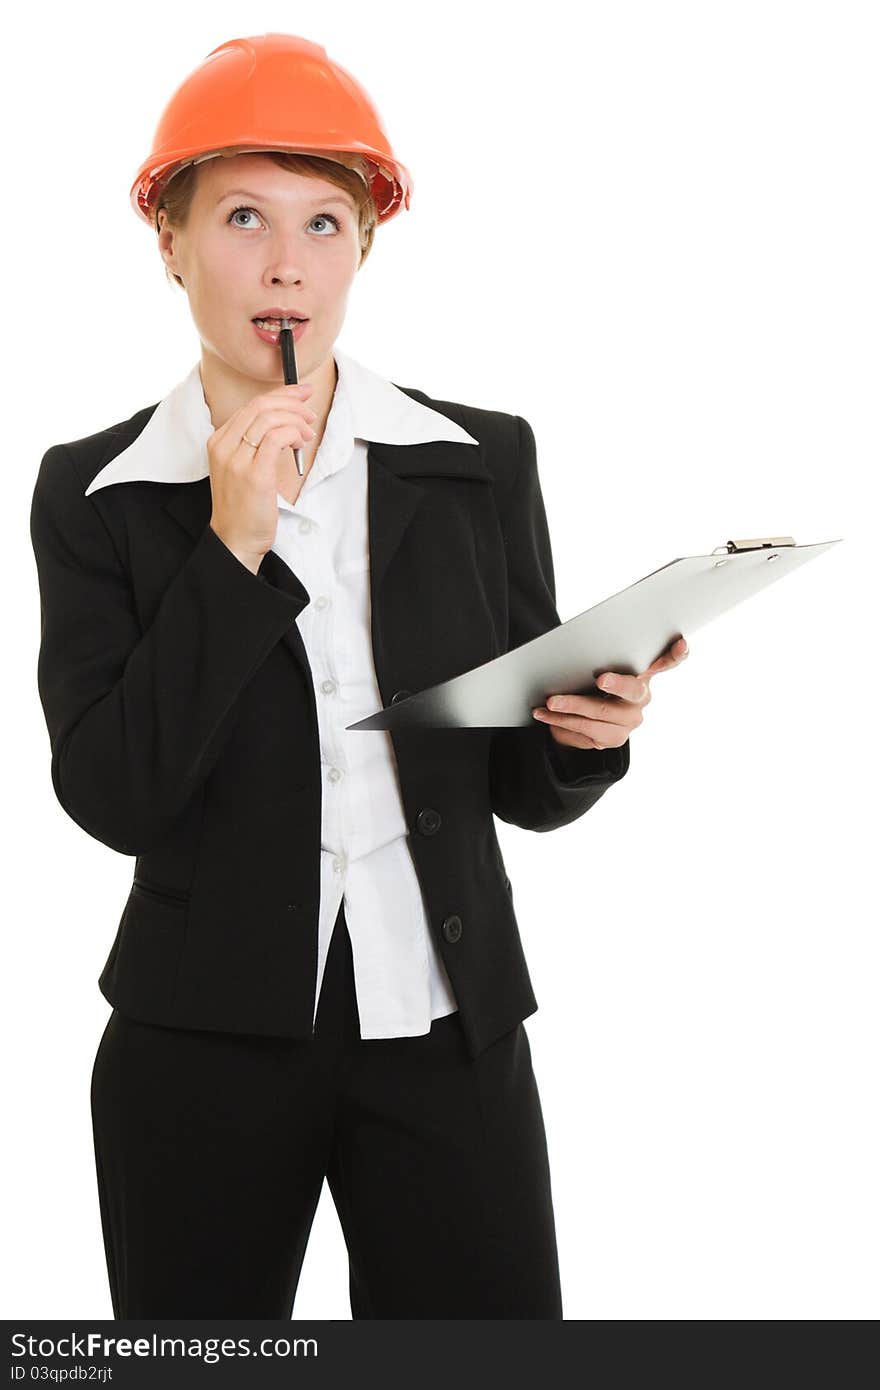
[(272, 92)]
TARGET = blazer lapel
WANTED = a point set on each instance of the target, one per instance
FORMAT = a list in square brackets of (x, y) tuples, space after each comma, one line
[(398, 483)]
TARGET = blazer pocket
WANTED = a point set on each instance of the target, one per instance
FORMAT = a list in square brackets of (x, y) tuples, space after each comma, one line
[(154, 892), (140, 973)]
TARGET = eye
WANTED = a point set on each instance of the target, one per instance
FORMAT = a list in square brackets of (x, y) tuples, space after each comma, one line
[(241, 208), (318, 217), (326, 217)]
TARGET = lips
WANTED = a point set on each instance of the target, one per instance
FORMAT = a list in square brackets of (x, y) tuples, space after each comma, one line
[(271, 332)]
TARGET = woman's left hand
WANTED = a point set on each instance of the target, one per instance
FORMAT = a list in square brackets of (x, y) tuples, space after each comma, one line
[(587, 721)]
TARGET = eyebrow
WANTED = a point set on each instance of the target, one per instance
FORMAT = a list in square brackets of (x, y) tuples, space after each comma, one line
[(260, 197)]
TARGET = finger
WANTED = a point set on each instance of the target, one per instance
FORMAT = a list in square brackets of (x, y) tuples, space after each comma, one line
[(271, 425), (632, 688), (297, 412), (673, 656), (612, 711), (576, 741), (292, 394), (610, 735)]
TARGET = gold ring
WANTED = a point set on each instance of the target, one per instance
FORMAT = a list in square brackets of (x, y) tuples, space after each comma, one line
[(245, 440)]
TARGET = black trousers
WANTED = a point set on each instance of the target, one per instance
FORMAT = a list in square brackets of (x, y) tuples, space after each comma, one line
[(212, 1148)]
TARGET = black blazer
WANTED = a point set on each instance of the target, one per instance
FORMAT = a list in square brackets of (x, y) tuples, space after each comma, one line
[(183, 730)]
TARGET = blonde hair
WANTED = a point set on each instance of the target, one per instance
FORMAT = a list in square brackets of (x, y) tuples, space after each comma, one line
[(177, 195)]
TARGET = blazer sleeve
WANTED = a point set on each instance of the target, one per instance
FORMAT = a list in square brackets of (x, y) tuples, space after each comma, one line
[(136, 719), (536, 783)]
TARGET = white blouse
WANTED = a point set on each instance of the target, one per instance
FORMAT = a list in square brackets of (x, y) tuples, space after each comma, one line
[(400, 979)]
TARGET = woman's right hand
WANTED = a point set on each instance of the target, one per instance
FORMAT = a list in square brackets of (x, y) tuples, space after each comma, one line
[(244, 481)]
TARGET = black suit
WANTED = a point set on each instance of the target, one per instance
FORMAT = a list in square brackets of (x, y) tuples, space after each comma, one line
[(183, 728)]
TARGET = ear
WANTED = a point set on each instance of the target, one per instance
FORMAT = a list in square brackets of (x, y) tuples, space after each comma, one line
[(165, 238)]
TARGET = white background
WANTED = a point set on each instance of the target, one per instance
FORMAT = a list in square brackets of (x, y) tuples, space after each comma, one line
[(652, 230)]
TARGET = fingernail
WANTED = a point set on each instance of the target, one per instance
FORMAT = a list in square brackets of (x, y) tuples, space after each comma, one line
[(538, 714)]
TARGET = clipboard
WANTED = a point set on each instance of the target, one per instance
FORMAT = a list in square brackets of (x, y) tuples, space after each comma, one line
[(624, 633)]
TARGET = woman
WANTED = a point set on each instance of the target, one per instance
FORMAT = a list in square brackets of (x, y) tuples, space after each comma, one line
[(318, 971)]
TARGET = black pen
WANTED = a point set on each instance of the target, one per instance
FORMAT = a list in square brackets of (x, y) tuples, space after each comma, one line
[(288, 362)]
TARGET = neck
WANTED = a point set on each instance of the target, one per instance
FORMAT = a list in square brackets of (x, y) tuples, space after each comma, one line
[(226, 390)]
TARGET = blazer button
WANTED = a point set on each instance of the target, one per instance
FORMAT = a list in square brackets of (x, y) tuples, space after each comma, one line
[(428, 821), (400, 695), (451, 928)]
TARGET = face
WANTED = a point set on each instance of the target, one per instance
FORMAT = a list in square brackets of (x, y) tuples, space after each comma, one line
[(260, 236)]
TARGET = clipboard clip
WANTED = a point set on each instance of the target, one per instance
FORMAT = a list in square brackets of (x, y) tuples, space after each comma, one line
[(760, 543)]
